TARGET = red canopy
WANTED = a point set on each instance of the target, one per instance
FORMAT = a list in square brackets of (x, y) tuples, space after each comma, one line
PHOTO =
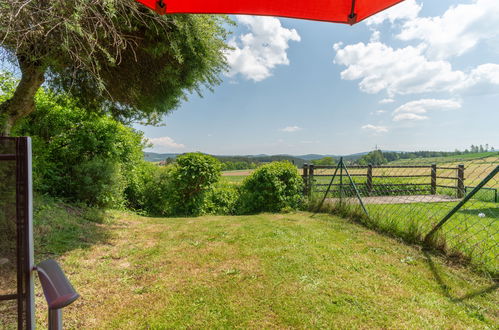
[(339, 11)]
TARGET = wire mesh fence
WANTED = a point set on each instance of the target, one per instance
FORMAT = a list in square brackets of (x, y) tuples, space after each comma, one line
[(8, 235), (16, 290), (409, 199)]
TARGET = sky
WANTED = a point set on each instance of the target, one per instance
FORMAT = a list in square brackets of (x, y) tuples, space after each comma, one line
[(423, 75)]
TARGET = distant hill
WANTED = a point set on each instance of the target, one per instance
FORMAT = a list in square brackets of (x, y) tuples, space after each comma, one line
[(260, 158), (155, 157)]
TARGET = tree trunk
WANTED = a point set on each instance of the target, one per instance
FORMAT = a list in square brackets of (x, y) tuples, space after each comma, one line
[(22, 103)]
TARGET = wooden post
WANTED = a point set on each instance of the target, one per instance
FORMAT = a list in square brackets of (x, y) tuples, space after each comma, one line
[(369, 181), (310, 178), (305, 179), (460, 181), (433, 179)]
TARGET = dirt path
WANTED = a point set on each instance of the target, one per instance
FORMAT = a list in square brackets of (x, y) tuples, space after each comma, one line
[(401, 199)]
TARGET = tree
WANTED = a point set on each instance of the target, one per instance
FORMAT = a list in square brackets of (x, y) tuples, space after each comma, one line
[(374, 158), (324, 161), (113, 56)]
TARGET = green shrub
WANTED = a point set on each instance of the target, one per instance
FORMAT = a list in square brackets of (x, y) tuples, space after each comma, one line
[(98, 182), (222, 200), (156, 197), (68, 142), (192, 176), (272, 187), (140, 181)]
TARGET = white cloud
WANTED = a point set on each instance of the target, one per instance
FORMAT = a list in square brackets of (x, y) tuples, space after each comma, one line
[(378, 112), (375, 129), (165, 143), (256, 53), (423, 66), (460, 29), (386, 101), (290, 129), (405, 10), (423, 105), (407, 71), (408, 116), (416, 110), (398, 71)]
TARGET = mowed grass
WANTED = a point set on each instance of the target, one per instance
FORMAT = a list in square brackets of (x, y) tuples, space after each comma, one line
[(472, 232), (293, 270)]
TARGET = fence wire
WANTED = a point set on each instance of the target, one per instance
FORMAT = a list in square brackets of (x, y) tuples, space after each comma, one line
[(409, 198), (8, 237)]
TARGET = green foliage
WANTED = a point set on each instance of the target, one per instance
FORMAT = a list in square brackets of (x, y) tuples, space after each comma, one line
[(183, 188), (192, 176), (139, 190), (80, 156), (113, 56), (228, 165), (157, 192), (222, 200), (272, 188), (374, 158), (98, 182), (324, 161)]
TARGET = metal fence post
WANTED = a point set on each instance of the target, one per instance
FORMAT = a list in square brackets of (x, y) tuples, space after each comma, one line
[(341, 180), (460, 181), (461, 203), (369, 181), (433, 179)]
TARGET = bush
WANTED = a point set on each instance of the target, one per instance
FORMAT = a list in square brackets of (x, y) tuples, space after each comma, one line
[(140, 181), (158, 191), (98, 182), (273, 187), (71, 145), (192, 176), (222, 200)]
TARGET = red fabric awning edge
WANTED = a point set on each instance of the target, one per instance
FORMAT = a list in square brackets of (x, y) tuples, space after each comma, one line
[(372, 7)]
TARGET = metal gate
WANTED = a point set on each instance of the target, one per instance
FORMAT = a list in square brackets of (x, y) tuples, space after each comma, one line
[(16, 241)]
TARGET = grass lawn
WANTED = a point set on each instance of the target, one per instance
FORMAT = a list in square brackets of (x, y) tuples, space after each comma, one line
[(466, 233), (264, 271)]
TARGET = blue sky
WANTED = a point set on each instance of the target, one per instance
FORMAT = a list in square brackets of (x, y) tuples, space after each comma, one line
[(423, 75)]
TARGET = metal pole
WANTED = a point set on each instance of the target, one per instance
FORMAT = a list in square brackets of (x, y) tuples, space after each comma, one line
[(341, 180), (55, 319), (462, 202), (329, 187), (357, 192)]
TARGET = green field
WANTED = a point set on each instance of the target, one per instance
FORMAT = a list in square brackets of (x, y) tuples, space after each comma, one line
[(236, 179), (447, 159), (263, 271)]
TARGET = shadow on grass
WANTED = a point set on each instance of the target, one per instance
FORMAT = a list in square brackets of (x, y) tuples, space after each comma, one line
[(59, 227), (446, 289)]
